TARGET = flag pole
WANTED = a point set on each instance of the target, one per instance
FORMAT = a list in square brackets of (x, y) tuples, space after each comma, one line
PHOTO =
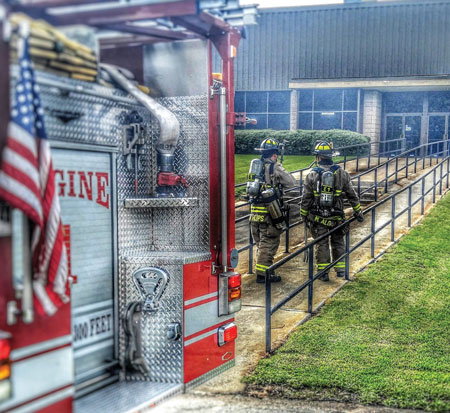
[(27, 294)]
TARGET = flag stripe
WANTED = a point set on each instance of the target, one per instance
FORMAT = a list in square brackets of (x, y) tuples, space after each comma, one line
[(13, 158), (22, 197), (22, 150), (19, 176), (47, 305), (23, 137), (45, 166)]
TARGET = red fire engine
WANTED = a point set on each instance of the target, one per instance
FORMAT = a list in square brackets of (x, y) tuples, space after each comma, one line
[(147, 203)]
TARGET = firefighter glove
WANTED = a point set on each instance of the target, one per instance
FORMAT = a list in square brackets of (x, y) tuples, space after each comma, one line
[(359, 216)]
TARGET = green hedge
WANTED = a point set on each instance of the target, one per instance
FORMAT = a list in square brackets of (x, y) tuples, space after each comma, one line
[(298, 142)]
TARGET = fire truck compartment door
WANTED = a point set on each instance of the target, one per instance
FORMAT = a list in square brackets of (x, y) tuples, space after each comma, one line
[(84, 180)]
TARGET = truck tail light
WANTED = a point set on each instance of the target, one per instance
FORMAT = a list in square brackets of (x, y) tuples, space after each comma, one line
[(234, 281), (5, 366), (227, 333), (234, 294), (229, 293), (234, 287)]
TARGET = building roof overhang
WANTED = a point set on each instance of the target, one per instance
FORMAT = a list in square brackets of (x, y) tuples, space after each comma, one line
[(382, 84)]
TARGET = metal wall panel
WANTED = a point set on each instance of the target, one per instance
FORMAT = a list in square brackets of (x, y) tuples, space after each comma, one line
[(347, 41)]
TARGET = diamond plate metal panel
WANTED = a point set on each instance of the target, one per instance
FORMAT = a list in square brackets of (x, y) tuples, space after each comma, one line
[(164, 357), (165, 237), (171, 229), (160, 202), (81, 112), (126, 397)]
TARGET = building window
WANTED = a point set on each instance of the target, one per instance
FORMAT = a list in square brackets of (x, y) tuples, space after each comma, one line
[(271, 109), (328, 109), (403, 102), (439, 102)]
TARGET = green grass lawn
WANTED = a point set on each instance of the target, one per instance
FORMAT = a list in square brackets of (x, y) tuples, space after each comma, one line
[(385, 338)]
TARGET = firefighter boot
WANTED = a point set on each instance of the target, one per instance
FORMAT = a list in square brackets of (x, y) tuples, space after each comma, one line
[(261, 279), (324, 277), (340, 274)]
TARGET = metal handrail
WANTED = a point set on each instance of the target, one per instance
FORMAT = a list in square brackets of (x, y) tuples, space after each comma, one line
[(371, 236), (369, 144), (384, 183), (344, 161)]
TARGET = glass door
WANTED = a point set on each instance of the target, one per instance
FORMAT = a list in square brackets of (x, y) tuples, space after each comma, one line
[(394, 130), (402, 126), (412, 126), (437, 131)]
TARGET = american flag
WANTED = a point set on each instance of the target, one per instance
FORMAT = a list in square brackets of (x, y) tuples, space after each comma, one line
[(27, 182)]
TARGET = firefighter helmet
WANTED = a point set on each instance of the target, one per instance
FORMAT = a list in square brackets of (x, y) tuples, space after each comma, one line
[(323, 149), (268, 147)]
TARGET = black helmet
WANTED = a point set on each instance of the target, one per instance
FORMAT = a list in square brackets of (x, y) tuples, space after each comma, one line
[(268, 147), (323, 149)]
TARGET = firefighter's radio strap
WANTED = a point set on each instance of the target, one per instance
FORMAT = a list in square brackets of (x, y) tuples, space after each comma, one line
[(325, 194)]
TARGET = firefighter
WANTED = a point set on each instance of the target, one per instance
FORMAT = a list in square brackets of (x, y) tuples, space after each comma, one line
[(268, 215), (322, 206)]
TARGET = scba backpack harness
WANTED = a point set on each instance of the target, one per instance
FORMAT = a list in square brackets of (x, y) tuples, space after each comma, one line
[(325, 194), (265, 198)]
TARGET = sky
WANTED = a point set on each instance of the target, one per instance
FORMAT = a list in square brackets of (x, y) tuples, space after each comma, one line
[(288, 3)]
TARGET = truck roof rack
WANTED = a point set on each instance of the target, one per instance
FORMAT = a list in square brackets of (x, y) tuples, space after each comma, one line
[(143, 21)]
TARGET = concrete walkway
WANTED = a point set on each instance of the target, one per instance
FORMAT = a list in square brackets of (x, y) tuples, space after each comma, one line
[(207, 403)]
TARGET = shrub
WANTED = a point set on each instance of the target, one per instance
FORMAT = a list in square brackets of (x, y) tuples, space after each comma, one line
[(299, 142)]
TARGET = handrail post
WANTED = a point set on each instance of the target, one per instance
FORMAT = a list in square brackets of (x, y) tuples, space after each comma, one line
[(440, 180), (376, 184), (347, 255), (286, 247), (372, 229), (370, 154), (396, 170), (393, 219), (407, 165), (415, 162), (268, 314), (434, 186), (357, 158), (422, 206), (409, 205), (310, 277), (345, 158), (300, 184), (359, 186), (386, 178), (250, 250), (448, 171)]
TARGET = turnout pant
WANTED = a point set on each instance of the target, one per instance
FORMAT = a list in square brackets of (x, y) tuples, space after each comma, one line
[(323, 247), (267, 238)]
